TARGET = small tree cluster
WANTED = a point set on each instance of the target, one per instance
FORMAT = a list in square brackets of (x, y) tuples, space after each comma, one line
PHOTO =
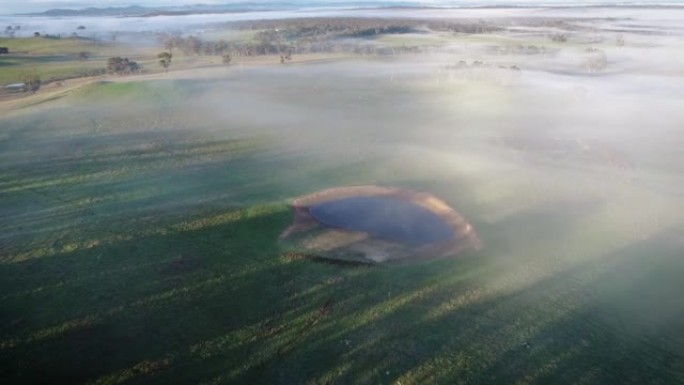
[(121, 66), (596, 60), (227, 58), (522, 50), (32, 83), (165, 60), (192, 45), (559, 38), (317, 35), (11, 31), (287, 56), (342, 27)]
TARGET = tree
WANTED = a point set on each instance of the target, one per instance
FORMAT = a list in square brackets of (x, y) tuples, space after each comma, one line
[(114, 64), (193, 45), (287, 56), (227, 58), (32, 83), (209, 48), (171, 42), (559, 38), (596, 61), (221, 47), (165, 60), (121, 66), (36, 34)]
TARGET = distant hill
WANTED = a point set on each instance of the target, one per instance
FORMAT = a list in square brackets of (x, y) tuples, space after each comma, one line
[(110, 11), (223, 8), (140, 11), (246, 6)]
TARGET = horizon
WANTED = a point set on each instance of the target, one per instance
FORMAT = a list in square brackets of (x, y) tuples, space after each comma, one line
[(37, 6)]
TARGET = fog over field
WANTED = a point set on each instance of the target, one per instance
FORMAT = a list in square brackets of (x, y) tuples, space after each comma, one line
[(558, 133)]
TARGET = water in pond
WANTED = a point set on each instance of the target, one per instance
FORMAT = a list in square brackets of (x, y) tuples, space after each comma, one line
[(393, 219)]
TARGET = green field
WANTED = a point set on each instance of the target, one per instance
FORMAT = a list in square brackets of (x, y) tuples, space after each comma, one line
[(14, 69), (139, 229), (57, 59), (48, 46)]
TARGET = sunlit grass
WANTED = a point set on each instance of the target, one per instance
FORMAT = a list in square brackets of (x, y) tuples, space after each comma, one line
[(45, 46), (140, 244)]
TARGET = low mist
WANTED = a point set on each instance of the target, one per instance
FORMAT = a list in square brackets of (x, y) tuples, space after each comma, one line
[(562, 144)]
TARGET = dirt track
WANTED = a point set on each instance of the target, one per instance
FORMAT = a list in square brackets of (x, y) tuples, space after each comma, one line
[(10, 103)]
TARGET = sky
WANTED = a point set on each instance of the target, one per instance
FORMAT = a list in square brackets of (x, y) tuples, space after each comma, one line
[(14, 6)]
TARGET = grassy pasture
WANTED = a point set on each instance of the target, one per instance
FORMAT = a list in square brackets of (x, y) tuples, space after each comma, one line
[(39, 46), (45, 46), (57, 59), (138, 244), (50, 68), (51, 59)]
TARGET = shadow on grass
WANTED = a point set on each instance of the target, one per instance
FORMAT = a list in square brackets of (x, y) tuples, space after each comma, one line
[(77, 316), (148, 258), (214, 300), (592, 322)]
